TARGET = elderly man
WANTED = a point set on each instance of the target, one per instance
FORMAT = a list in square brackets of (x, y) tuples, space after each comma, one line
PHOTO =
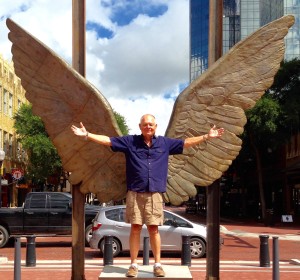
[(146, 176)]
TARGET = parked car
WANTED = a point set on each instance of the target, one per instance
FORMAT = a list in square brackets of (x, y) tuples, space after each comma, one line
[(110, 221), (43, 213)]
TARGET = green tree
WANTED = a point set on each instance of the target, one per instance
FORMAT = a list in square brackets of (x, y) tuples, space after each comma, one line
[(285, 90), (274, 119), (43, 159), (259, 131), (121, 123)]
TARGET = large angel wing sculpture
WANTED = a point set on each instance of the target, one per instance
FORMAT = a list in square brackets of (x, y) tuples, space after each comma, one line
[(220, 96), (62, 97)]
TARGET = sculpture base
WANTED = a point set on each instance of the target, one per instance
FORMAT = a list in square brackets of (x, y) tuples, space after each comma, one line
[(110, 272)]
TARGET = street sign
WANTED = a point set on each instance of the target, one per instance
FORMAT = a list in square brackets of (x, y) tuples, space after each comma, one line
[(17, 174)]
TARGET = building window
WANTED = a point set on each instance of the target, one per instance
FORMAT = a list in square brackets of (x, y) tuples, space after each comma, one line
[(5, 142), (10, 105), (19, 104), (11, 77), (10, 145), (5, 101)]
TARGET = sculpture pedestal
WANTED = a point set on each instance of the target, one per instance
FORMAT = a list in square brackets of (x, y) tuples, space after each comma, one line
[(110, 272)]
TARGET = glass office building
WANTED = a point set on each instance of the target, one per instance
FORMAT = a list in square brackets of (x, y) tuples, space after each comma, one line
[(250, 19), (199, 28), (292, 7), (231, 24), (240, 19), (199, 13)]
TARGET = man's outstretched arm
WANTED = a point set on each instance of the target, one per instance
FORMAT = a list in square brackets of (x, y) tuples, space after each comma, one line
[(213, 133), (82, 132)]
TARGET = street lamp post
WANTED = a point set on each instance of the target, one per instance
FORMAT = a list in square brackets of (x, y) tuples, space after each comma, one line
[(2, 156)]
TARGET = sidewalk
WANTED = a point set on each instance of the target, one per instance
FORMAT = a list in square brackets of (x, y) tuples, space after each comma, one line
[(246, 227), (242, 236), (239, 256), (229, 270)]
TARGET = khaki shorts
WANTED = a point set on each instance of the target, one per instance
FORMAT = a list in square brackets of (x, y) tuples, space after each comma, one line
[(144, 208)]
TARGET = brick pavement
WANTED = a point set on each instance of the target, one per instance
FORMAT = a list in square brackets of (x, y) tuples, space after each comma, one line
[(239, 256), (198, 272)]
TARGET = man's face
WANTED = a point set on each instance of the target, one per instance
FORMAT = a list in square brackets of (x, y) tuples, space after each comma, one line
[(148, 126)]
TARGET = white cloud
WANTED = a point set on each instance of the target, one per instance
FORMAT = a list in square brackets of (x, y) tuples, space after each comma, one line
[(142, 62)]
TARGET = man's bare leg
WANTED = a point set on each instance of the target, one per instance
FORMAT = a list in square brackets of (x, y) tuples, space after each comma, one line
[(134, 242), (155, 242)]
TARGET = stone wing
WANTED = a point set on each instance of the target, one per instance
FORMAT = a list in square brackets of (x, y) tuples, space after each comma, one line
[(62, 97), (220, 96)]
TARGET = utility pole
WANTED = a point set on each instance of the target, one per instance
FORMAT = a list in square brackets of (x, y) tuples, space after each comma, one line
[(78, 198), (213, 191)]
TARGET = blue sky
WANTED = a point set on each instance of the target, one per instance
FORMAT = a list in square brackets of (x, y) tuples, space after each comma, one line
[(136, 50), (123, 15)]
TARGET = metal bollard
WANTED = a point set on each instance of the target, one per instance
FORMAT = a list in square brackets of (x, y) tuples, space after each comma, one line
[(186, 251), (108, 250), (17, 260), (146, 251), (30, 251), (264, 257), (275, 259)]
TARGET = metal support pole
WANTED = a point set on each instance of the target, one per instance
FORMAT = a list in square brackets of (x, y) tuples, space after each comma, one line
[(186, 250), (264, 257), (213, 232), (17, 260), (78, 198), (215, 46), (275, 258), (213, 192), (108, 250), (30, 251), (78, 234), (146, 251)]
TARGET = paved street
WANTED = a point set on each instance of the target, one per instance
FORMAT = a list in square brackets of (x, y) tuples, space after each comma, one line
[(239, 256)]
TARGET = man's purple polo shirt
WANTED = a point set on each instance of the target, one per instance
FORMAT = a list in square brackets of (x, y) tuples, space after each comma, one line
[(146, 167)]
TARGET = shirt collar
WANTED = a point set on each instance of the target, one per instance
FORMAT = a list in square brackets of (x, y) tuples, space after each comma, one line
[(154, 137)]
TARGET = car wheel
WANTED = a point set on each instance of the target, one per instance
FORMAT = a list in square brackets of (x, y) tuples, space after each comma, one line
[(4, 236), (198, 247), (115, 244), (88, 234)]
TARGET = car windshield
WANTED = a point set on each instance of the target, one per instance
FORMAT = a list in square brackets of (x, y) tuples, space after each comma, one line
[(170, 219), (118, 215), (115, 214)]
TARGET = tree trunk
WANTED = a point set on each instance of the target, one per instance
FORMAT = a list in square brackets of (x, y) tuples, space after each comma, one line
[(259, 176)]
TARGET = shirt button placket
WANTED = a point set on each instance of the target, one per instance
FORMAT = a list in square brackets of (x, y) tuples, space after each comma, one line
[(149, 172)]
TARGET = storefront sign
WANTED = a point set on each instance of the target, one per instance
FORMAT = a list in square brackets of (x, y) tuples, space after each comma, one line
[(287, 218), (4, 182)]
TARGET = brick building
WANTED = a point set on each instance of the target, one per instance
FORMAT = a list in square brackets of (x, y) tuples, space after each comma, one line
[(12, 96)]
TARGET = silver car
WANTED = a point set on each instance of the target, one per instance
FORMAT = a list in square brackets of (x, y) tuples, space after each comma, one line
[(110, 221)]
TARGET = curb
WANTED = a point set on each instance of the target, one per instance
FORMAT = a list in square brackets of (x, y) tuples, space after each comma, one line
[(3, 260), (295, 261), (290, 237)]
